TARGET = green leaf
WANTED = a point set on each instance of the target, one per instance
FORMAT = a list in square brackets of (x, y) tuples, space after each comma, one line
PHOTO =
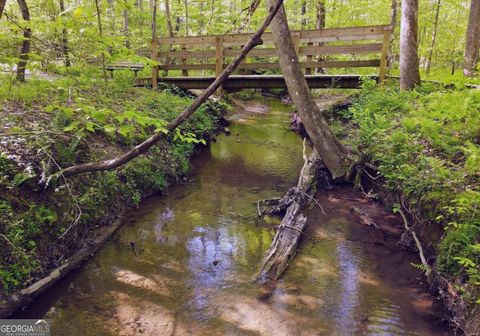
[(90, 126), (99, 115), (72, 126), (125, 130), (78, 12), (109, 128)]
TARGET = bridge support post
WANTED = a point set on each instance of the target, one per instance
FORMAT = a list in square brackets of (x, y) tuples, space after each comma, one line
[(384, 56), (184, 62), (296, 43), (219, 60), (155, 66), (308, 71)]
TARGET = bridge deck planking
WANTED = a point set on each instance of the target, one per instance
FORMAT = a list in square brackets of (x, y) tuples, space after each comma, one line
[(238, 82)]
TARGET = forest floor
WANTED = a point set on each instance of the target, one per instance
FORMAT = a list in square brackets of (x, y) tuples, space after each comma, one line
[(47, 125)]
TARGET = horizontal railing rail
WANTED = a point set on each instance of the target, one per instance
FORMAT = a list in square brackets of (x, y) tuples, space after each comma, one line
[(211, 53)]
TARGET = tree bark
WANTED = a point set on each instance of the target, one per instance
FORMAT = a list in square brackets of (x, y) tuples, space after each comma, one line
[(472, 40), (409, 73), (321, 14), (250, 10), (320, 24), (186, 17), (126, 28), (434, 38), (303, 12), (169, 30), (393, 24), (65, 50), (100, 33), (332, 152), (140, 9), (27, 35), (144, 146), (2, 7)]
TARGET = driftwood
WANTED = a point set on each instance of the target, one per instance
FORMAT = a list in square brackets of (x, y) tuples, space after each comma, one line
[(285, 242), (10, 304), (182, 117)]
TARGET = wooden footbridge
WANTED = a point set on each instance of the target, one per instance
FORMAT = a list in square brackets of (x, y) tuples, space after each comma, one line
[(193, 62)]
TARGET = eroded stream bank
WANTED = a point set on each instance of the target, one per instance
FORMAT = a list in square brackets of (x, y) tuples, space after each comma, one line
[(198, 247)]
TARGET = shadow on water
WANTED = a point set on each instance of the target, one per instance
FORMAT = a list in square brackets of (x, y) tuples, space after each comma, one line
[(198, 248)]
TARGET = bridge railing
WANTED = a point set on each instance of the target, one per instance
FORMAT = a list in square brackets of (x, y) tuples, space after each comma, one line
[(210, 54)]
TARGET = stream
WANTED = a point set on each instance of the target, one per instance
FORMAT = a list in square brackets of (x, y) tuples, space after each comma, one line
[(199, 246)]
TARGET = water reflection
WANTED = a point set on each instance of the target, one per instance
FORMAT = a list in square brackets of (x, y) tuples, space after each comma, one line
[(349, 287), (198, 248)]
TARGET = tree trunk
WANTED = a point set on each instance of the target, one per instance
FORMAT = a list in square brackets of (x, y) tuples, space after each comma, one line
[(100, 33), (320, 24), (27, 35), (409, 73), (140, 9), (434, 37), (126, 28), (2, 7), (169, 30), (303, 12), (393, 24), (321, 14), (250, 10), (332, 152), (65, 51), (472, 40), (186, 18), (187, 113)]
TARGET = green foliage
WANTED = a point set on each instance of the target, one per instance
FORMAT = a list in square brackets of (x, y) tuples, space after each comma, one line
[(80, 120), (426, 144)]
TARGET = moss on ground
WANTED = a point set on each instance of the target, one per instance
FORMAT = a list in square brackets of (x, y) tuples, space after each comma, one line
[(46, 125)]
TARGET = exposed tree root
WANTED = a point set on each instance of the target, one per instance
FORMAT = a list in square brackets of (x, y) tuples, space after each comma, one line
[(418, 244)]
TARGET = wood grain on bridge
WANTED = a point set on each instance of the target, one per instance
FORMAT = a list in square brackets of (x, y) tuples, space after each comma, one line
[(205, 57)]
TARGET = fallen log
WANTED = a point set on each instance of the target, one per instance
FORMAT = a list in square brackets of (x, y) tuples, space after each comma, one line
[(9, 304), (284, 245)]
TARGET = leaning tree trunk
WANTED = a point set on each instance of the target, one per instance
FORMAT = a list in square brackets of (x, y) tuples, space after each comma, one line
[(332, 152), (409, 73), (434, 38), (27, 35), (472, 43)]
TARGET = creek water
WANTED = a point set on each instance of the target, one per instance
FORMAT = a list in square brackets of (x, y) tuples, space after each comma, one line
[(199, 246)]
